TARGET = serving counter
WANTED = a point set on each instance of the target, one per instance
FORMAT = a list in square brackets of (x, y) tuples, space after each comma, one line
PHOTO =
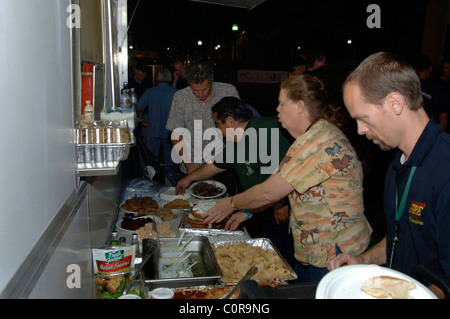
[(204, 262), (186, 256)]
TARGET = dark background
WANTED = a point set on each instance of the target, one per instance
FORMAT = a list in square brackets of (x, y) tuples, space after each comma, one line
[(273, 32), (275, 28)]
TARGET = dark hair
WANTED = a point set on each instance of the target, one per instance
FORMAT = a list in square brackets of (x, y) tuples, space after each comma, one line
[(314, 55), (142, 67), (422, 63), (197, 73), (234, 107)]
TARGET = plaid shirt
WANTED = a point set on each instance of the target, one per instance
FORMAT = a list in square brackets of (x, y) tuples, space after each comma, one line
[(186, 108)]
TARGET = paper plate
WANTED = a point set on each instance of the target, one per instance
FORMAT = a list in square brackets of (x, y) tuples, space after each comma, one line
[(346, 282), (169, 194), (214, 183)]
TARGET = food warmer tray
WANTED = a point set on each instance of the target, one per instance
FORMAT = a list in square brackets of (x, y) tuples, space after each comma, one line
[(192, 231), (206, 271), (264, 243)]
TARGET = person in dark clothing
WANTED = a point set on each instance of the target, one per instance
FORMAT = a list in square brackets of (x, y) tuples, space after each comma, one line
[(139, 80), (435, 98), (384, 96)]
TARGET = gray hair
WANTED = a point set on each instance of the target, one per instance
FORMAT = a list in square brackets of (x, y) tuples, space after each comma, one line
[(383, 73), (165, 76)]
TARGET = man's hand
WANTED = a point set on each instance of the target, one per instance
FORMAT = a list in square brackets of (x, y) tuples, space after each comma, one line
[(182, 185), (344, 260)]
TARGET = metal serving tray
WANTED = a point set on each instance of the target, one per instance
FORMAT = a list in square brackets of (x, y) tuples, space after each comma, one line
[(266, 244), (98, 156), (205, 272), (192, 231)]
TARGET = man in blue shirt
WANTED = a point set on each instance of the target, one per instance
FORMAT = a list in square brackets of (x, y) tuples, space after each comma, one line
[(155, 104), (383, 95)]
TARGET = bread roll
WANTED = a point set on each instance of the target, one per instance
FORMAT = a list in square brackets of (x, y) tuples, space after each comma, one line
[(385, 286)]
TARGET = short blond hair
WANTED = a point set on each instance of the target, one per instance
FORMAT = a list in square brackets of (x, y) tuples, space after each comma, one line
[(383, 73)]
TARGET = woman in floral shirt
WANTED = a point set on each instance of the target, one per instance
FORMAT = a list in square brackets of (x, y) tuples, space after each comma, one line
[(323, 177)]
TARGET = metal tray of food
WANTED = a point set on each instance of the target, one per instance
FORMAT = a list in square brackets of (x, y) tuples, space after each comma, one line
[(191, 230), (271, 264), (174, 263), (205, 292)]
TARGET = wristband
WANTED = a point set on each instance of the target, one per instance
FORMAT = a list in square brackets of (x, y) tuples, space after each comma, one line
[(249, 215)]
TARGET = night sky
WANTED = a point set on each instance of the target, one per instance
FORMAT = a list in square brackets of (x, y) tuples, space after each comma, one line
[(275, 28)]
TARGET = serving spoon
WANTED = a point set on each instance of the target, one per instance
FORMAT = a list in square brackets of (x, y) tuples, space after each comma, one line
[(247, 276)]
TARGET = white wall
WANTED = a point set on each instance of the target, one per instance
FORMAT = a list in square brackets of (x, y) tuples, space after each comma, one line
[(37, 158)]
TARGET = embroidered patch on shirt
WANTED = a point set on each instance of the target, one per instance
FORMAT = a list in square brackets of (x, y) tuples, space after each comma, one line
[(415, 212)]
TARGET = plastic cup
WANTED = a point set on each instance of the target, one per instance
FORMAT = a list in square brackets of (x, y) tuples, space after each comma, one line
[(162, 293)]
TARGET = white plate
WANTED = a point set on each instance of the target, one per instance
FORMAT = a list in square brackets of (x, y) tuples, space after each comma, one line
[(214, 183), (346, 282), (130, 211), (157, 220), (169, 194)]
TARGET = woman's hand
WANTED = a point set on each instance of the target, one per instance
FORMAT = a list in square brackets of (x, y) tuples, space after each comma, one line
[(281, 213), (236, 220), (219, 212)]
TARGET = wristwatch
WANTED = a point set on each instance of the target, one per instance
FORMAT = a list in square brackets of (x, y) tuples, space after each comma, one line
[(232, 204)]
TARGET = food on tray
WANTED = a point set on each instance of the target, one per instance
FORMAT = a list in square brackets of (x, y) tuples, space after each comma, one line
[(235, 259), (165, 214), (165, 231), (141, 205), (174, 268), (199, 210), (134, 223), (204, 292), (385, 286), (177, 204), (162, 231), (204, 189), (147, 231), (196, 215)]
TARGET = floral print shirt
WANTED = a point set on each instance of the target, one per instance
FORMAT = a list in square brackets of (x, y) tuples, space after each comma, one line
[(327, 210)]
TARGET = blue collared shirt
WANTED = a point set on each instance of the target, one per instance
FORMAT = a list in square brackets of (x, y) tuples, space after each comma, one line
[(424, 232), (158, 100)]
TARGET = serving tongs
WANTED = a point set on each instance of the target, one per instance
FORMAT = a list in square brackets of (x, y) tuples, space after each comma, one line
[(139, 271), (247, 276)]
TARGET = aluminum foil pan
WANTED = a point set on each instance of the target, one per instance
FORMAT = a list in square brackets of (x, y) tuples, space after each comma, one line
[(205, 292), (101, 155), (264, 243), (192, 231)]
